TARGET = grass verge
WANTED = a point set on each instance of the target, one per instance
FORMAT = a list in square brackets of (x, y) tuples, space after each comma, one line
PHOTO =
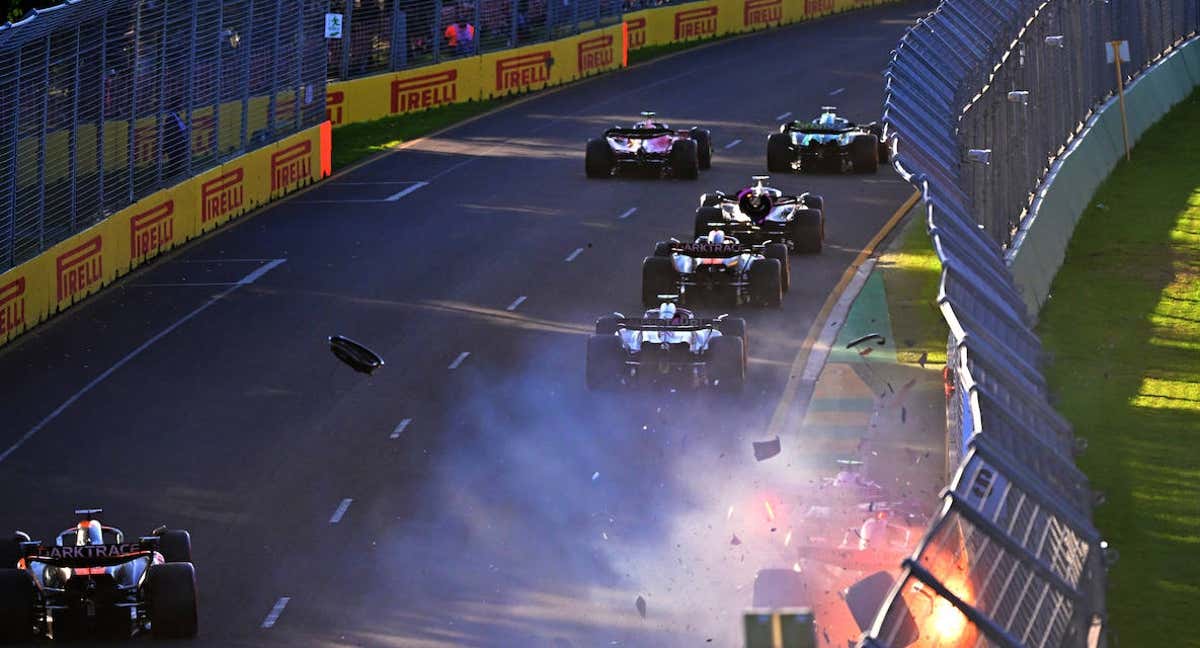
[(911, 272), (1124, 328)]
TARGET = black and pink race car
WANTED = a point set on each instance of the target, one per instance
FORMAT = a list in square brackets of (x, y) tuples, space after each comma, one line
[(649, 147)]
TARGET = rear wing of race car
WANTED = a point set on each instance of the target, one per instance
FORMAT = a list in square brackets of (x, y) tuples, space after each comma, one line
[(105, 555), (640, 133), (813, 128), (641, 324), (709, 250)]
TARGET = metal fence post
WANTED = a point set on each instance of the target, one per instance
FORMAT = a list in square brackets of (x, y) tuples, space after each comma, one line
[(574, 16), (298, 109), (74, 159), (133, 98), (272, 127), (513, 20), (191, 88), (437, 31), (347, 39), (246, 45), (42, 150), (399, 54), (217, 153), (12, 177), (101, 121), (478, 29), (160, 127)]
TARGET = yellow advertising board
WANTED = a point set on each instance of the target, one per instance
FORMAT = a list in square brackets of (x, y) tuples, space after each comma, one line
[(81, 265), (384, 95)]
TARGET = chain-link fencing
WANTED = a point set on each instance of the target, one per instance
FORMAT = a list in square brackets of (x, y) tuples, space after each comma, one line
[(983, 96), (106, 101), (388, 35)]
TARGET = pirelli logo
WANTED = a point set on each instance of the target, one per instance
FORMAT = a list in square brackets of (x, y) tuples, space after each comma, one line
[(762, 12), (291, 165), (333, 107), (12, 306), (425, 91), (595, 54), (518, 72), (222, 196), (637, 33), (80, 269), (696, 23), (817, 7), (152, 231)]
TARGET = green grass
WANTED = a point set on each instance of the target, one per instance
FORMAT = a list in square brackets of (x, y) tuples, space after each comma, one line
[(353, 142), (1123, 325), (911, 271)]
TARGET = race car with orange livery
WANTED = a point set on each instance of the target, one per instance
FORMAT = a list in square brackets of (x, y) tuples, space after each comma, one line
[(649, 147), (93, 582)]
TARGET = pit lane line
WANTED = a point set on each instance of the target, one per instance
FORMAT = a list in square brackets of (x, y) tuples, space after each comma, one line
[(783, 116), (837, 92), (572, 256), (459, 360), (273, 615), (516, 302), (628, 212), (340, 512), (400, 428), (732, 144), (244, 281)]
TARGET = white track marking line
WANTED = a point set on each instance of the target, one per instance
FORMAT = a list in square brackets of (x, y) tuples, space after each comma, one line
[(341, 511), (400, 194), (459, 360), (732, 144), (222, 260), (248, 279), (837, 92), (377, 183), (516, 302), (783, 116), (184, 285), (572, 256), (628, 212), (273, 615), (400, 428)]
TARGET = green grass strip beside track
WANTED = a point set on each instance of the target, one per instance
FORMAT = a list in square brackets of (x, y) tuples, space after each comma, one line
[(1123, 325)]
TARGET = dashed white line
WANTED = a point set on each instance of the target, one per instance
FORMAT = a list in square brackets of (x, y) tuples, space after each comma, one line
[(185, 284), (837, 92), (400, 428), (516, 303), (273, 615), (248, 279), (733, 144), (783, 116), (628, 212), (459, 360), (571, 257), (341, 511), (400, 194)]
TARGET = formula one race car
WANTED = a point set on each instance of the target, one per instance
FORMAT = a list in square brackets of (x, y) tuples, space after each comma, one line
[(649, 146), (716, 264), (667, 344), (760, 214), (93, 581), (829, 142)]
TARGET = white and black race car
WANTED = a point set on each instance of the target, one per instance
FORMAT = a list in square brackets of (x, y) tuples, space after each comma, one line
[(94, 582), (667, 345), (649, 147), (761, 214), (830, 143), (717, 265)]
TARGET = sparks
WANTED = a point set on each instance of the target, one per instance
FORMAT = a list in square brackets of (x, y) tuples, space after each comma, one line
[(729, 515), (787, 540), (770, 512)]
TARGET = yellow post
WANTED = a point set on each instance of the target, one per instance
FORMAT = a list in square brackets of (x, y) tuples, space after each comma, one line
[(1116, 45)]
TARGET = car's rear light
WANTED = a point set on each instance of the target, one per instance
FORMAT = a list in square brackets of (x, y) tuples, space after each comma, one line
[(87, 571)]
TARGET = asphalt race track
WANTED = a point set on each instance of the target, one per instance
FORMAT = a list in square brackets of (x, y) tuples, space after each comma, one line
[(450, 500)]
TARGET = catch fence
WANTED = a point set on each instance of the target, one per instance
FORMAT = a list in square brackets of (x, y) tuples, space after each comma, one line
[(104, 102), (983, 96)]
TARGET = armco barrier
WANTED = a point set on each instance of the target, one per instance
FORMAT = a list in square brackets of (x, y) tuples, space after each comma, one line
[(552, 63), (84, 263), (1041, 243)]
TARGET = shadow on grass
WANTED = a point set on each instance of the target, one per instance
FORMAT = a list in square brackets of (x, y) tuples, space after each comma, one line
[(1124, 327)]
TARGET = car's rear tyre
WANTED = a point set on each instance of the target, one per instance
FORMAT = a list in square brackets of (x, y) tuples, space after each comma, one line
[(885, 150), (779, 252), (18, 595), (708, 219), (658, 278), (598, 160), (605, 362), (171, 600), (685, 159), (864, 153), (175, 546), (766, 283), (735, 327), (662, 249), (813, 201), (704, 151), (779, 153), (727, 363), (606, 325), (808, 231)]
